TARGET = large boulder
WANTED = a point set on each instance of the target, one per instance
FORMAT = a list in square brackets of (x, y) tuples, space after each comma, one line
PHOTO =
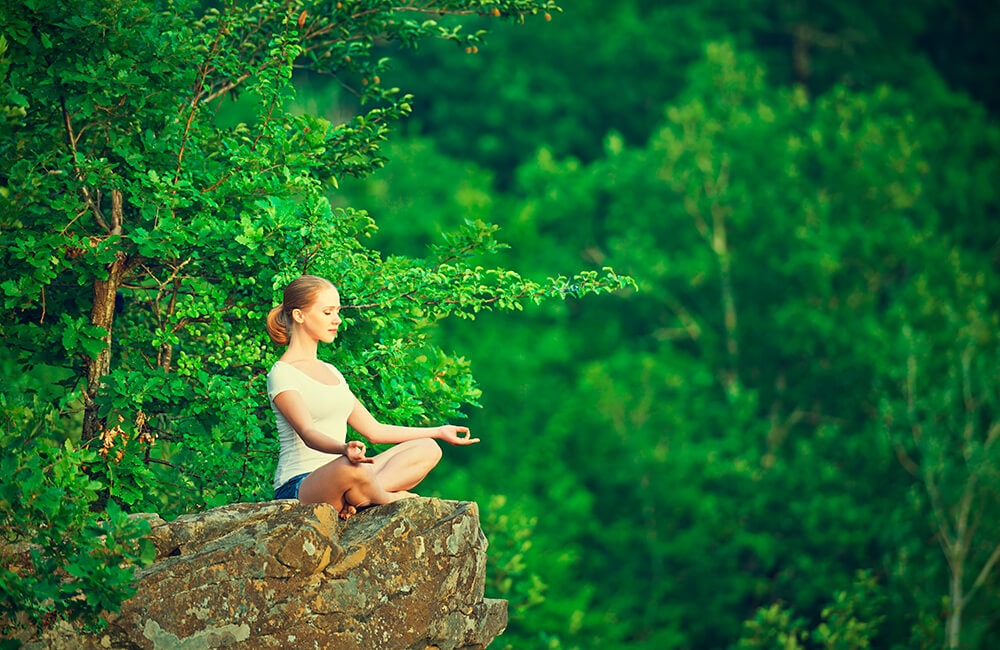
[(285, 575)]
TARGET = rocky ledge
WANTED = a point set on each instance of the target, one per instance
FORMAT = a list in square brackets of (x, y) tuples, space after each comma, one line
[(408, 575)]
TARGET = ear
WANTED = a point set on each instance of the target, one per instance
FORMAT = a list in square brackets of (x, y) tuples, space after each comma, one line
[(297, 315)]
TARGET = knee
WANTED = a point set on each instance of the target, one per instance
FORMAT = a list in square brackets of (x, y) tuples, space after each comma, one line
[(422, 452), (430, 450)]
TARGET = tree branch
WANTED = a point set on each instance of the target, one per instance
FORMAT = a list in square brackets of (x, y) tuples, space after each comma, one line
[(72, 139), (984, 573), (160, 461)]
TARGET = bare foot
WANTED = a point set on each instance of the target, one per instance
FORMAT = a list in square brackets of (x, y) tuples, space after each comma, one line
[(349, 510)]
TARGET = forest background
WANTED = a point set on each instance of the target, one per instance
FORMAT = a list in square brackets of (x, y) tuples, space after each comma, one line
[(782, 432)]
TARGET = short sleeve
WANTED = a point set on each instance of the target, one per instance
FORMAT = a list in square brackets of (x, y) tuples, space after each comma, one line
[(281, 378)]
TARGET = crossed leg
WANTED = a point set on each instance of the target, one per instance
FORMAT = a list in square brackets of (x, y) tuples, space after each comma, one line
[(403, 466), (347, 486)]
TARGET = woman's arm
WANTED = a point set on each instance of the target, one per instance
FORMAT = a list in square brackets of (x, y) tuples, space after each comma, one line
[(294, 409), (364, 423)]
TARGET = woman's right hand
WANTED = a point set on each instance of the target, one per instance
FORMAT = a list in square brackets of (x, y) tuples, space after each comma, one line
[(355, 452), (455, 435)]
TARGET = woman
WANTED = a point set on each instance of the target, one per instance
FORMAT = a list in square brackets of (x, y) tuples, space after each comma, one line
[(313, 406)]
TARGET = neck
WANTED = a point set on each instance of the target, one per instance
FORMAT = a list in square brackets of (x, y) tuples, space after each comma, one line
[(302, 348)]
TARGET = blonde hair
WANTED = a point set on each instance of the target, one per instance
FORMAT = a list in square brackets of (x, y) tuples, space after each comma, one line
[(299, 294)]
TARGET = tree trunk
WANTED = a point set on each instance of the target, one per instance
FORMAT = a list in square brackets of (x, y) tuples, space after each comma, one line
[(954, 625), (801, 57), (103, 315)]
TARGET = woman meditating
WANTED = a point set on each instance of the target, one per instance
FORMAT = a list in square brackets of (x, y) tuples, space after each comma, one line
[(313, 406)]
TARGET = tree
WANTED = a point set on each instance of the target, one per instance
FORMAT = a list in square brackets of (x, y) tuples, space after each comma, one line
[(941, 413), (603, 67), (143, 239), (714, 443)]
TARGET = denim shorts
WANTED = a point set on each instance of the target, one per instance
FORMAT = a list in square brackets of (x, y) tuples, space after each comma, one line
[(290, 488)]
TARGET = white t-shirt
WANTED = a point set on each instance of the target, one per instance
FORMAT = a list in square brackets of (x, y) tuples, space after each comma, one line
[(329, 407)]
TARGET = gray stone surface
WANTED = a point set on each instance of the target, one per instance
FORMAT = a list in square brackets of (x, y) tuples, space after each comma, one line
[(408, 575)]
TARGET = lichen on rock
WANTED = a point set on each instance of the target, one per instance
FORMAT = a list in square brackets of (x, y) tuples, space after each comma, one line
[(280, 574)]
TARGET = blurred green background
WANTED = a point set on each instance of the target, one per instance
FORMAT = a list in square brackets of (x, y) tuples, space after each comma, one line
[(805, 384)]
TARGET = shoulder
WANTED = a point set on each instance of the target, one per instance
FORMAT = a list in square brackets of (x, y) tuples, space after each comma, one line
[(282, 376), (279, 368)]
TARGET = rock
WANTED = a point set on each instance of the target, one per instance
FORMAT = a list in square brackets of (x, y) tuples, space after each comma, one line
[(284, 575)]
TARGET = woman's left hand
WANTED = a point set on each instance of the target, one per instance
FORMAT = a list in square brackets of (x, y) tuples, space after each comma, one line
[(455, 435), (355, 452)]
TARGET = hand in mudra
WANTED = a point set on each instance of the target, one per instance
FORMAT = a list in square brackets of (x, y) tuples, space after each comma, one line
[(356, 453), (456, 435)]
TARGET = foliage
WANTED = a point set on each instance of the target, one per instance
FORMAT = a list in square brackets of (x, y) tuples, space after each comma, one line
[(60, 558), (850, 622), (601, 66), (144, 238), (717, 441), (941, 409), (803, 386)]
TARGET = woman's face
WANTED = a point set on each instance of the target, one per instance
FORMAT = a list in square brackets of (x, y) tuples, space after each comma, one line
[(320, 320)]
